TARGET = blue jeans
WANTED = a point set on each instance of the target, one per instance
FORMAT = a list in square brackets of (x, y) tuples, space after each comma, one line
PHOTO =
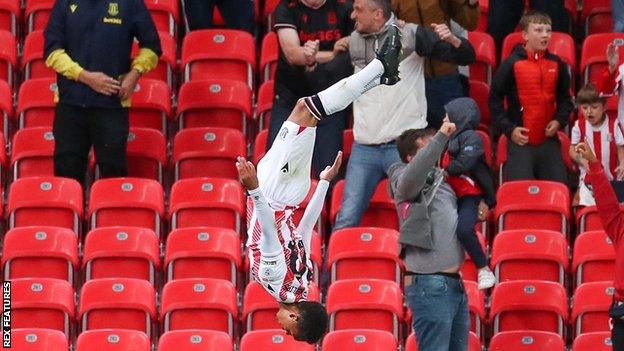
[(367, 166), (440, 91), (439, 307), (617, 11)]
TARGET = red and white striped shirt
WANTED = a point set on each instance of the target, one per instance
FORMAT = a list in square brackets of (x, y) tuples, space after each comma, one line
[(602, 139)]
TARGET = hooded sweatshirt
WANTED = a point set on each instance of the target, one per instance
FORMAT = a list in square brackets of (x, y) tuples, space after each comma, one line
[(466, 162)]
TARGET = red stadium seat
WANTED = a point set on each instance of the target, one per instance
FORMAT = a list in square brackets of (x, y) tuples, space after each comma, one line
[(487, 146), (359, 340), (10, 16), (33, 62), (587, 219), (199, 304), (593, 258), (113, 340), (146, 154), (126, 201), (593, 57), (527, 340), (365, 304), (529, 305), (219, 54), (121, 252), (266, 93), (203, 252), (272, 340), (483, 16), (268, 56), (47, 201), (600, 341), (267, 13), (561, 44), (207, 152), (37, 339), (40, 252), (474, 344), (347, 144), (198, 202), (8, 54), (165, 14), (381, 210), (195, 340), (530, 255), (150, 105), (480, 91), (6, 106), (533, 204), (117, 303), (259, 307), (476, 307), (259, 147), (32, 152), (596, 16), (485, 64), (364, 253), (35, 103), (224, 103), (42, 303), (167, 65), (37, 14), (590, 307)]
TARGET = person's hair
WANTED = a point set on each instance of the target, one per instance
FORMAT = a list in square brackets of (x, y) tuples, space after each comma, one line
[(406, 142), (312, 322), (534, 16), (590, 95), (384, 5)]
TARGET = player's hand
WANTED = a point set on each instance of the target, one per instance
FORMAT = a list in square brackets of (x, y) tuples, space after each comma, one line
[(447, 127), (247, 173), (586, 152), (100, 82), (483, 211), (128, 84), (330, 171), (613, 56), (341, 45), (519, 136), (552, 128), (445, 34)]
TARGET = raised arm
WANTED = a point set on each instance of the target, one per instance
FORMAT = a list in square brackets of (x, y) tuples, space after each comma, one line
[(606, 201), (315, 206)]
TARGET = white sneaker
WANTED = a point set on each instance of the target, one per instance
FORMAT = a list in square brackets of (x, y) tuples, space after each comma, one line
[(486, 278)]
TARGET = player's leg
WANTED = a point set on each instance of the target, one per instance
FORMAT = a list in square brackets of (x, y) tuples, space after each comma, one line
[(381, 70)]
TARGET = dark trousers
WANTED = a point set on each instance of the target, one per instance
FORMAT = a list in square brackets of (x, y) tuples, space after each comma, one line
[(439, 91), (504, 15), (467, 208), (77, 128), (328, 132), (617, 335), (543, 162), (237, 14)]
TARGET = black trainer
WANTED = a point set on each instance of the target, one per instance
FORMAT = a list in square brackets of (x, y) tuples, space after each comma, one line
[(389, 54)]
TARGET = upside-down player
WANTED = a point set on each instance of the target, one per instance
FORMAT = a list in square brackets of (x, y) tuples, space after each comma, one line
[(277, 249)]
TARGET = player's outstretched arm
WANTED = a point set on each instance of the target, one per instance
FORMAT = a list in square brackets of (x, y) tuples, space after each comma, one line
[(246, 173), (315, 206)]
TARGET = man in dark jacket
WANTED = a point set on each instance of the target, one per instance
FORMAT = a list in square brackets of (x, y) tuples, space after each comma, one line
[(469, 175), (88, 44), (536, 85)]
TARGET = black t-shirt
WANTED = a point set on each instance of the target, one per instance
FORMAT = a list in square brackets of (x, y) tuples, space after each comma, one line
[(328, 23)]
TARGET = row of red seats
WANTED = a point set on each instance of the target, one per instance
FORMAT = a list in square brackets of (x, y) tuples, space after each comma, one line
[(351, 304), (276, 340)]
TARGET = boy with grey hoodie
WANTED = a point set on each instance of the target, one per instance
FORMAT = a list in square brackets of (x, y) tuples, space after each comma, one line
[(467, 172)]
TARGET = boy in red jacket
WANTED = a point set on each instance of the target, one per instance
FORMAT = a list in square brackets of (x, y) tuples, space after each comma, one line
[(613, 222)]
